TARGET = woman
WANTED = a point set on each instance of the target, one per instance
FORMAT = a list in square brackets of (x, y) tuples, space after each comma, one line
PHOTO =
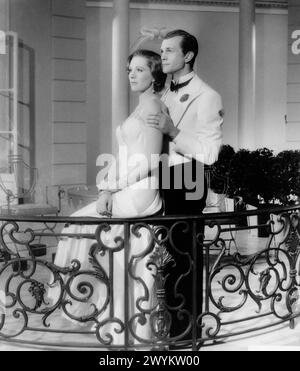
[(130, 192)]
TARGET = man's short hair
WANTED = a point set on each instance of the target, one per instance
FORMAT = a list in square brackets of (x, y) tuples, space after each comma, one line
[(189, 43)]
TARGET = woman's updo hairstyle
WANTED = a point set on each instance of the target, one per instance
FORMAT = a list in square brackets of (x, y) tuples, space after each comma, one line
[(154, 63)]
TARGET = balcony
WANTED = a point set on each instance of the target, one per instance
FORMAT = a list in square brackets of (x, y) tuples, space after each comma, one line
[(244, 290)]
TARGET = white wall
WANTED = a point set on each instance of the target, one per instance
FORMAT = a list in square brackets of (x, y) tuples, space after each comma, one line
[(4, 15), (271, 81), (69, 118), (99, 50), (293, 81), (4, 84)]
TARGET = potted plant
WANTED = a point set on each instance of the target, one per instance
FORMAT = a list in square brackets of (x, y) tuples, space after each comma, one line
[(220, 170), (239, 175), (218, 178), (252, 178), (287, 174), (239, 184)]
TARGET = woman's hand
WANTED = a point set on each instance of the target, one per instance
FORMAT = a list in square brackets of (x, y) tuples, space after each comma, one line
[(104, 204)]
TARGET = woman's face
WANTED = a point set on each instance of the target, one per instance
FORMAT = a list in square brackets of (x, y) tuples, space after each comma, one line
[(139, 73)]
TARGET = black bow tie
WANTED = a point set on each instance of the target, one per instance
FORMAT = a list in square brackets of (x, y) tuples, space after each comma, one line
[(175, 86)]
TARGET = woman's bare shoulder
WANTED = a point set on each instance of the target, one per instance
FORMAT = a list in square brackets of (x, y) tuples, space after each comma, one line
[(152, 105)]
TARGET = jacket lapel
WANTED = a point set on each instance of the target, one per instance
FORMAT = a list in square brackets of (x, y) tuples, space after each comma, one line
[(185, 100), (185, 109)]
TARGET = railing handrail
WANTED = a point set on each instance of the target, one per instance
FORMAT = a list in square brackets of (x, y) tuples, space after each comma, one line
[(94, 220)]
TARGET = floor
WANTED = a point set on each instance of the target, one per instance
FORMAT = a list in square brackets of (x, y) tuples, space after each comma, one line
[(276, 339), (279, 338)]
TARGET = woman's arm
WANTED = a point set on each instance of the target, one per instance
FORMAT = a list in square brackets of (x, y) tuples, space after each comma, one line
[(107, 178)]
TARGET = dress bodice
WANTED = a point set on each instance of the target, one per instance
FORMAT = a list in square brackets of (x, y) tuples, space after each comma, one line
[(141, 197), (132, 129)]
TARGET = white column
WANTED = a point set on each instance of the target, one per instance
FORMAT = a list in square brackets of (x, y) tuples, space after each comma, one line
[(247, 60), (120, 49)]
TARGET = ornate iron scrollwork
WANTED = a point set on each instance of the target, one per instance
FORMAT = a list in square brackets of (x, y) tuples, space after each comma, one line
[(161, 318), (240, 291), (37, 290)]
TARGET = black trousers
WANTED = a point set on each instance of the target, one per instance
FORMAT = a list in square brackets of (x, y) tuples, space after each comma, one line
[(180, 279)]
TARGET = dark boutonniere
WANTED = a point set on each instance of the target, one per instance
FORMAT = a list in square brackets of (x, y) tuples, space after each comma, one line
[(221, 113), (184, 98)]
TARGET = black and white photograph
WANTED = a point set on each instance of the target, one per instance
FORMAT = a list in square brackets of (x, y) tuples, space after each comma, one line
[(149, 178)]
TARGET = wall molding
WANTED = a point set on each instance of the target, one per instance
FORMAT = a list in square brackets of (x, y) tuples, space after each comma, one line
[(265, 7), (231, 3)]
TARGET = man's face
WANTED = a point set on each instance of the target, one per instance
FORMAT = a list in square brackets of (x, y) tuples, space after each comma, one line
[(172, 55)]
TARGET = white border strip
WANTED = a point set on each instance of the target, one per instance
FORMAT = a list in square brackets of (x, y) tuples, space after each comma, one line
[(190, 8)]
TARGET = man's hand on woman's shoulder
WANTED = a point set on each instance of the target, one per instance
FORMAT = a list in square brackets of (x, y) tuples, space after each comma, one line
[(163, 122)]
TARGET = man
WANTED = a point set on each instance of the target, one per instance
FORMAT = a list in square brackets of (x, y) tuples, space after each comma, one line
[(193, 128)]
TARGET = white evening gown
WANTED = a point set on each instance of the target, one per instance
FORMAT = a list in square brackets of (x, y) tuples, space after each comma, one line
[(131, 201)]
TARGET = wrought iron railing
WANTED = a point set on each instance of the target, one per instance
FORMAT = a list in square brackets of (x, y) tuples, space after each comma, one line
[(127, 292)]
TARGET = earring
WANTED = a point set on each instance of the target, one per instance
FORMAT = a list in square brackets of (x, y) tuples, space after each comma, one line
[(153, 87)]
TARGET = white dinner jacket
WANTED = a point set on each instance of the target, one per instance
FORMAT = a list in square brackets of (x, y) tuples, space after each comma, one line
[(197, 111)]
